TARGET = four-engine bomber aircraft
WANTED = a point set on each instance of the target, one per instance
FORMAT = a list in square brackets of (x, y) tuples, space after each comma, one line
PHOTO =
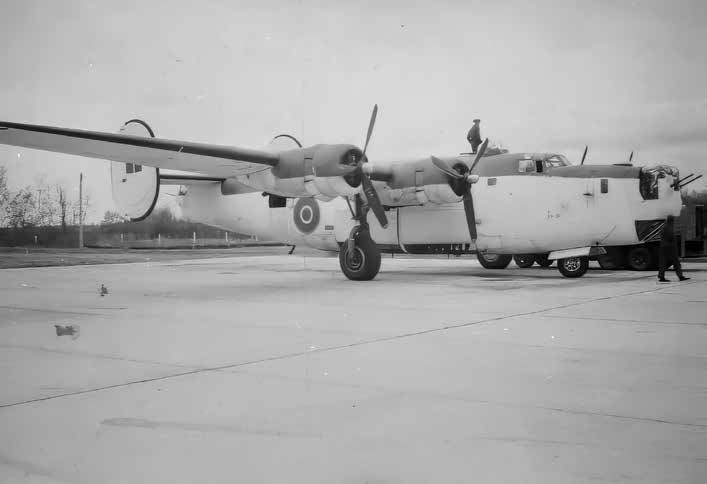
[(322, 195)]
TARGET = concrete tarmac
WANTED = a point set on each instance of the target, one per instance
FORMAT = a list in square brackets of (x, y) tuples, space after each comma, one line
[(278, 369)]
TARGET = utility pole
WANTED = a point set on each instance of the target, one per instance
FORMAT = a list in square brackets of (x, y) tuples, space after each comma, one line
[(81, 211)]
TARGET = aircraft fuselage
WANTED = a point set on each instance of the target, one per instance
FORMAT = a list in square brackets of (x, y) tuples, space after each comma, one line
[(516, 213)]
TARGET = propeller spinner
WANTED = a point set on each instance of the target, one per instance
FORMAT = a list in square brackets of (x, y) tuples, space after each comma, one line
[(463, 174)]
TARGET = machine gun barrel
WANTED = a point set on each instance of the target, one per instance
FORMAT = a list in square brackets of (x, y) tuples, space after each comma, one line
[(677, 182), (690, 181)]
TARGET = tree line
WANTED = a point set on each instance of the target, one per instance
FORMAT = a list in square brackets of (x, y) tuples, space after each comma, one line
[(38, 205), (44, 214)]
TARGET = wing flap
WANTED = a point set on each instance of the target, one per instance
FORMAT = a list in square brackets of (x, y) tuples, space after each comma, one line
[(207, 159)]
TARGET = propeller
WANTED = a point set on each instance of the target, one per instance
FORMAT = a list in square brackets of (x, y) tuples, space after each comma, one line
[(584, 155), (462, 179), (368, 190)]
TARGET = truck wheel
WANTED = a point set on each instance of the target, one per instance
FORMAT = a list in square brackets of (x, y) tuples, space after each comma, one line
[(363, 261), (542, 260), (640, 258), (573, 266), (494, 261), (524, 260), (612, 260)]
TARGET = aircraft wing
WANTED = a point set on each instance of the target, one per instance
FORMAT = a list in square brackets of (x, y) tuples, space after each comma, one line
[(207, 159)]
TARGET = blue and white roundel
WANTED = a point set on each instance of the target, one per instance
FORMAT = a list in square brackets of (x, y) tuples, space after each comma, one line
[(306, 215)]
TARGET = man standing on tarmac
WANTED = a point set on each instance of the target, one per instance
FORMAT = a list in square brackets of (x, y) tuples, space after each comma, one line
[(669, 251), (474, 136)]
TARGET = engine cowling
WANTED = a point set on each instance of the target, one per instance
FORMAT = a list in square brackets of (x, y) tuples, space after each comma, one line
[(437, 193), (332, 171), (321, 171), (135, 187)]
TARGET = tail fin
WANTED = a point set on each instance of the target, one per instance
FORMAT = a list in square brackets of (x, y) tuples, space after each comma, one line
[(135, 187)]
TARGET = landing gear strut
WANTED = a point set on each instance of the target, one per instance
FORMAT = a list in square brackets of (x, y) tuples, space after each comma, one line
[(359, 256)]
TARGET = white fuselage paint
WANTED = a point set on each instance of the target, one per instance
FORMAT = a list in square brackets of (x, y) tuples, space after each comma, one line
[(517, 214)]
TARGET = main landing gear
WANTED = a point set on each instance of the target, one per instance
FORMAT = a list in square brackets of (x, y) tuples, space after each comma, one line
[(359, 256), (569, 267), (573, 266)]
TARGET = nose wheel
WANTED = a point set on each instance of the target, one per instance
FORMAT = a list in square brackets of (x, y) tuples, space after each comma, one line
[(359, 256)]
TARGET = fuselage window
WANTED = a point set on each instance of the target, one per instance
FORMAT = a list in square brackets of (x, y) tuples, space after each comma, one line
[(138, 168), (526, 166), (539, 166), (129, 168)]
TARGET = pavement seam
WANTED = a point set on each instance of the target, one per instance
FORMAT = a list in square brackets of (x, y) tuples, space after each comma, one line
[(324, 350), (617, 320)]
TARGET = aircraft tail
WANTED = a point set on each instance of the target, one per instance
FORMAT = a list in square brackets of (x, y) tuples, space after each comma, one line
[(135, 187)]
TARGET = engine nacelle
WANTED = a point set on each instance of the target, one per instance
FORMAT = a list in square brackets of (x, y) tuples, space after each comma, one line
[(135, 187), (331, 172), (328, 188), (438, 193)]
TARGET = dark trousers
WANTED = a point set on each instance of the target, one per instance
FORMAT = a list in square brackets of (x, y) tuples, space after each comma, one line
[(668, 256), (475, 145)]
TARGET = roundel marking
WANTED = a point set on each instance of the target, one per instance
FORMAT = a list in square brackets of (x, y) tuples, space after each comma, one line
[(306, 215)]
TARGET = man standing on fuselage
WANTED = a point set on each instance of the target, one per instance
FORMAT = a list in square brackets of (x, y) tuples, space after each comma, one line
[(474, 136)]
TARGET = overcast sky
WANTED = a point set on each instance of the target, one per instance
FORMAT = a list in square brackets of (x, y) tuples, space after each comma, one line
[(542, 76)]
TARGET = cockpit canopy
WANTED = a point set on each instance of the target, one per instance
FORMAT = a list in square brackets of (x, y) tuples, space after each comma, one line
[(541, 162), (520, 163)]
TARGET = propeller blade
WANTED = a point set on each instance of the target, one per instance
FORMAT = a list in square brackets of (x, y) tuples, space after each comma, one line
[(444, 168), (371, 123), (470, 216), (584, 155), (373, 201), (479, 154)]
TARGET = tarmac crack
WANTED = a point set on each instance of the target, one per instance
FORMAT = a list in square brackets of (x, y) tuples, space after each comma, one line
[(83, 354), (618, 320), (330, 349), (57, 311)]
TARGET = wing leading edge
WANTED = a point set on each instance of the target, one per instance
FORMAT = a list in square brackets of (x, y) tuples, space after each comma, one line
[(208, 159)]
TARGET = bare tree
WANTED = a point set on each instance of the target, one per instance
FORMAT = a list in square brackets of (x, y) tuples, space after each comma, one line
[(46, 207), (112, 217), (62, 205), (4, 197), (22, 208)]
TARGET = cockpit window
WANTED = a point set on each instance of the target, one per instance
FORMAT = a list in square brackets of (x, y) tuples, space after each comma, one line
[(555, 161), (526, 166)]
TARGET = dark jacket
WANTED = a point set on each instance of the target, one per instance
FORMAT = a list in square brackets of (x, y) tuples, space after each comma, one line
[(474, 135)]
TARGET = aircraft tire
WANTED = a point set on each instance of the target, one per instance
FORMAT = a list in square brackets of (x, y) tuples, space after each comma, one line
[(640, 258), (612, 260), (542, 260), (363, 263), (524, 260), (573, 266), (494, 261)]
